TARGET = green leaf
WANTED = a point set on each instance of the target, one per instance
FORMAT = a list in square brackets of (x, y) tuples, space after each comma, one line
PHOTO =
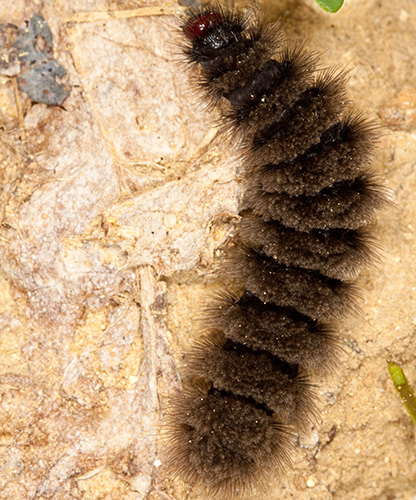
[(403, 389), (330, 5)]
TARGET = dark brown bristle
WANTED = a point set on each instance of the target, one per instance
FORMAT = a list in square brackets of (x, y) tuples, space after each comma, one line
[(214, 436), (336, 253), (310, 196), (309, 292), (346, 205), (342, 153), (282, 331), (258, 375)]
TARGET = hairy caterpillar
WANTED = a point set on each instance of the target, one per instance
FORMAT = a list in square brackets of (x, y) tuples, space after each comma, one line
[(303, 238)]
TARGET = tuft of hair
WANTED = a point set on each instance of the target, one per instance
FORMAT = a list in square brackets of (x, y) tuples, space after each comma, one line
[(222, 444), (225, 43)]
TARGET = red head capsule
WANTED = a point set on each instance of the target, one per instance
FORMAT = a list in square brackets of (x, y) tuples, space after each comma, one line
[(198, 25)]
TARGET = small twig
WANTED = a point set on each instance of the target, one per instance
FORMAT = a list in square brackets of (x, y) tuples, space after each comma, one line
[(149, 328), (19, 109), (91, 17)]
